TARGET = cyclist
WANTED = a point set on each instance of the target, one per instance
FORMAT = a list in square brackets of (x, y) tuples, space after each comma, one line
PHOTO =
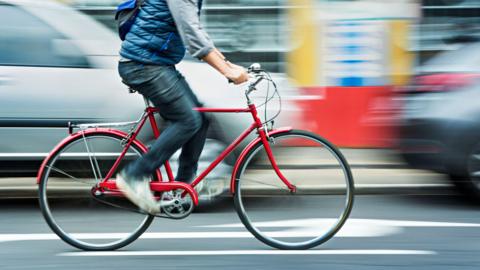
[(156, 42)]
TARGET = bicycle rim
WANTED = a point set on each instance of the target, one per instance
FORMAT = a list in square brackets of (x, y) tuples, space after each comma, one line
[(302, 219), (69, 206)]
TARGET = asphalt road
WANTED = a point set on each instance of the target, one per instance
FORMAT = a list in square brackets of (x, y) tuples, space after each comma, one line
[(384, 232)]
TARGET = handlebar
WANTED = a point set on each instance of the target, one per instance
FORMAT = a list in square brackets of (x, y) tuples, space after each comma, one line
[(258, 74), (255, 70)]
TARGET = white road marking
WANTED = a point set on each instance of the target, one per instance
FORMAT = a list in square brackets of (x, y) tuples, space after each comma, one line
[(297, 232), (251, 252), (373, 186), (28, 237), (302, 228), (350, 223)]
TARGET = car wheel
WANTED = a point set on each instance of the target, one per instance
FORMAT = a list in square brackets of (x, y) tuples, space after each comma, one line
[(469, 182)]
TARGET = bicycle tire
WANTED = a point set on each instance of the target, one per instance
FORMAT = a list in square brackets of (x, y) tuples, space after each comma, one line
[(261, 198), (72, 238)]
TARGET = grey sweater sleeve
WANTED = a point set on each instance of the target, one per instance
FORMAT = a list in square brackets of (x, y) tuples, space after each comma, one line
[(194, 37)]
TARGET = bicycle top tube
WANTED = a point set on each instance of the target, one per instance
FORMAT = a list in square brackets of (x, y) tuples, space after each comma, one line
[(211, 110)]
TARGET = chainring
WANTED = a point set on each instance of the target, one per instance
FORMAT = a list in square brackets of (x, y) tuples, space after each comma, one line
[(175, 205)]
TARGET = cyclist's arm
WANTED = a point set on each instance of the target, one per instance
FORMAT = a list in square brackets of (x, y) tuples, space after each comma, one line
[(236, 74), (186, 17), (198, 43)]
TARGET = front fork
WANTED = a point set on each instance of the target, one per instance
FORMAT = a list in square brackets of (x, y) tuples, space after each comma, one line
[(266, 140)]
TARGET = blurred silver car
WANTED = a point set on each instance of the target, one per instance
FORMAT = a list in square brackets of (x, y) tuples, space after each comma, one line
[(58, 66)]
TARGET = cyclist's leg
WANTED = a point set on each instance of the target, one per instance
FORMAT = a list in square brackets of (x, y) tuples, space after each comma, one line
[(175, 106), (161, 85), (188, 161)]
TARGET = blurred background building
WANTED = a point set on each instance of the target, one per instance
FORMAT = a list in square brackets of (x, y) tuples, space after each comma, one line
[(441, 26), (246, 30)]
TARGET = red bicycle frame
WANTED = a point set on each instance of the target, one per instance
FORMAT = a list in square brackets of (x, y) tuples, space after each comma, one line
[(108, 186)]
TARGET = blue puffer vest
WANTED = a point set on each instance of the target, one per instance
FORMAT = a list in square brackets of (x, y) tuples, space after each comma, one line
[(153, 38)]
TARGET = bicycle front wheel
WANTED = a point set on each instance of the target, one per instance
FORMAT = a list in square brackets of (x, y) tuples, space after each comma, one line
[(294, 220), (71, 207)]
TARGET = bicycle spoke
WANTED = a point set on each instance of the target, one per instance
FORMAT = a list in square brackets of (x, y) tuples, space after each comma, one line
[(95, 167), (66, 174)]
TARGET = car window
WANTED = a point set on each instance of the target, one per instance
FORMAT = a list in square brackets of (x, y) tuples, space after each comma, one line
[(26, 40)]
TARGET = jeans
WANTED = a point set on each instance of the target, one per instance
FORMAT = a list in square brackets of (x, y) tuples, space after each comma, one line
[(168, 90)]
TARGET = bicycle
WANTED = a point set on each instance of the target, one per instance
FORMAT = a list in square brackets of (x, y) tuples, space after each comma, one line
[(286, 161)]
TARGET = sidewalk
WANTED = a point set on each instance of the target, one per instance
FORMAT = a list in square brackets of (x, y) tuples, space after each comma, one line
[(373, 168), (374, 171), (382, 171)]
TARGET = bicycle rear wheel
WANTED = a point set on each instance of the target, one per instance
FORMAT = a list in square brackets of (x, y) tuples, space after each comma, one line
[(73, 210), (311, 215)]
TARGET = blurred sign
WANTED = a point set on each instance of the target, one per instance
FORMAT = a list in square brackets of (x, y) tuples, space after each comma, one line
[(350, 43), (356, 53)]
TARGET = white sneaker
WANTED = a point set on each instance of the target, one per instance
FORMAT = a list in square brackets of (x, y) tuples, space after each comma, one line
[(138, 191)]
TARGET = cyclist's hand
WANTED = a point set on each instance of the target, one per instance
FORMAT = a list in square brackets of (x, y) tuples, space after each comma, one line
[(236, 74)]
